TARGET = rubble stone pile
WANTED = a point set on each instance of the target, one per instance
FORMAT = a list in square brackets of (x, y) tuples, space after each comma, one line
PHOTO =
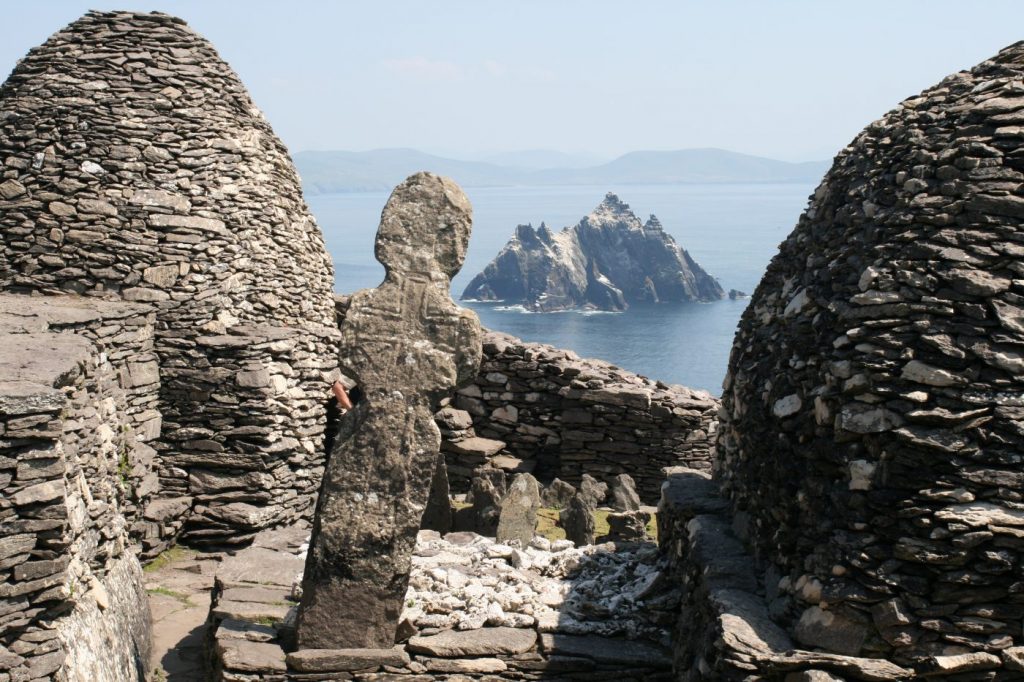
[(476, 609)]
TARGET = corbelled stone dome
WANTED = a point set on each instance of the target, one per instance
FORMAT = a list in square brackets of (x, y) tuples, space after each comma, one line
[(872, 439), (134, 164)]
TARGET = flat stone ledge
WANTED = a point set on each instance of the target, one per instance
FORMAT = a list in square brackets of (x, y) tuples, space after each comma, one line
[(242, 655), (606, 650), (345, 660), (482, 642), (36, 313)]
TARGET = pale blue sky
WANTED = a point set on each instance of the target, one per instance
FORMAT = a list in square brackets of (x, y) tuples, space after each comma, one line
[(792, 79)]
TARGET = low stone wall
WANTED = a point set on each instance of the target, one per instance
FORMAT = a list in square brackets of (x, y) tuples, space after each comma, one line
[(564, 416), (74, 477), (727, 628)]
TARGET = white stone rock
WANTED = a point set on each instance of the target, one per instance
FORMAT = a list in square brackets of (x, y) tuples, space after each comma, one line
[(861, 473), (797, 304), (787, 406), (921, 373)]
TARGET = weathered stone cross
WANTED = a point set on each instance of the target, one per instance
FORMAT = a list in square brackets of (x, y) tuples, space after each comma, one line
[(407, 345)]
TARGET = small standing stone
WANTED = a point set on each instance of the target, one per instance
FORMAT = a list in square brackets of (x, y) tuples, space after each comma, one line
[(497, 477), (486, 509), (518, 517), (438, 515), (577, 519), (629, 526), (557, 494), (593, 489), (624, 495)]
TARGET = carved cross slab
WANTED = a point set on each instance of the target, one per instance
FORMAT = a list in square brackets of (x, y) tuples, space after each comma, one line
[(408, 346)]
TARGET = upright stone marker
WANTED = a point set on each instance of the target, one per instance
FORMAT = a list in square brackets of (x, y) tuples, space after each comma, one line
[(407, 345)]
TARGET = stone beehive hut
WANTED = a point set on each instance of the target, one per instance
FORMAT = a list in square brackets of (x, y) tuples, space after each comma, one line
[(871, 440), (134, 165)]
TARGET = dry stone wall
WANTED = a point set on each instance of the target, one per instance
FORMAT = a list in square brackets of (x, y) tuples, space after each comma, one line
[(871, 438), (76, 476), (134, 165), (563, 416), (725, 629)]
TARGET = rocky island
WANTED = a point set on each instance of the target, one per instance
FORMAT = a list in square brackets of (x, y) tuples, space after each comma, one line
[(606, 261)]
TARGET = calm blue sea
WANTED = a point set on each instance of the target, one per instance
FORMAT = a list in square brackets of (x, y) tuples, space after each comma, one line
[(731, 230)]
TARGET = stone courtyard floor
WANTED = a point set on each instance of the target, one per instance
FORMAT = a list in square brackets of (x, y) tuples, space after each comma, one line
[(179, 584)]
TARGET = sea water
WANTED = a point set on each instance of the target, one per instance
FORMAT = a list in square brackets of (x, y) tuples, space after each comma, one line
[(732, 230)]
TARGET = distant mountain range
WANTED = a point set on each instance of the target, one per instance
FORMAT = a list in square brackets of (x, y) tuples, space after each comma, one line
[(382, 169)]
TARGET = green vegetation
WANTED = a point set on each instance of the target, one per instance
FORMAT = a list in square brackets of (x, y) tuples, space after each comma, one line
[(547, 524), (168, 556), (163, 591), (124, 467)]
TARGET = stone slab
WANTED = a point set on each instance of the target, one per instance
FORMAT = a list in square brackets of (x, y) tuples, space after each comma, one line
[(606, 650), (343, 660), (241, 655), (482, 642)]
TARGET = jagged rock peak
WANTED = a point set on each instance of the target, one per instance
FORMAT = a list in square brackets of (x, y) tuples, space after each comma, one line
[(612, 204), (606, 261)]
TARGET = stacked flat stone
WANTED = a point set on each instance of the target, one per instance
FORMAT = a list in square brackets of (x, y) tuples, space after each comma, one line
[(253, 453), (134, 165), (75, 476), (725, 629), (563, 416), (871, 438)]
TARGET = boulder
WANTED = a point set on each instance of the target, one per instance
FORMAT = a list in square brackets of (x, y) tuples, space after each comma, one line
[(630, 526), (593, 489), (486, 506)]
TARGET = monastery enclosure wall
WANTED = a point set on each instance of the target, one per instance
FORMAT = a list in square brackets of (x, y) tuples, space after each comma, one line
[(563, 416)]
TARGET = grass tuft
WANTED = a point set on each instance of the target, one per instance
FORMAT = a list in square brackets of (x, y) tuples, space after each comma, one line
[(168, 556), (163, 591)]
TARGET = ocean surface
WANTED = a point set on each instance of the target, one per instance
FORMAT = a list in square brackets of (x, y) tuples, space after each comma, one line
[(732, 230)]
